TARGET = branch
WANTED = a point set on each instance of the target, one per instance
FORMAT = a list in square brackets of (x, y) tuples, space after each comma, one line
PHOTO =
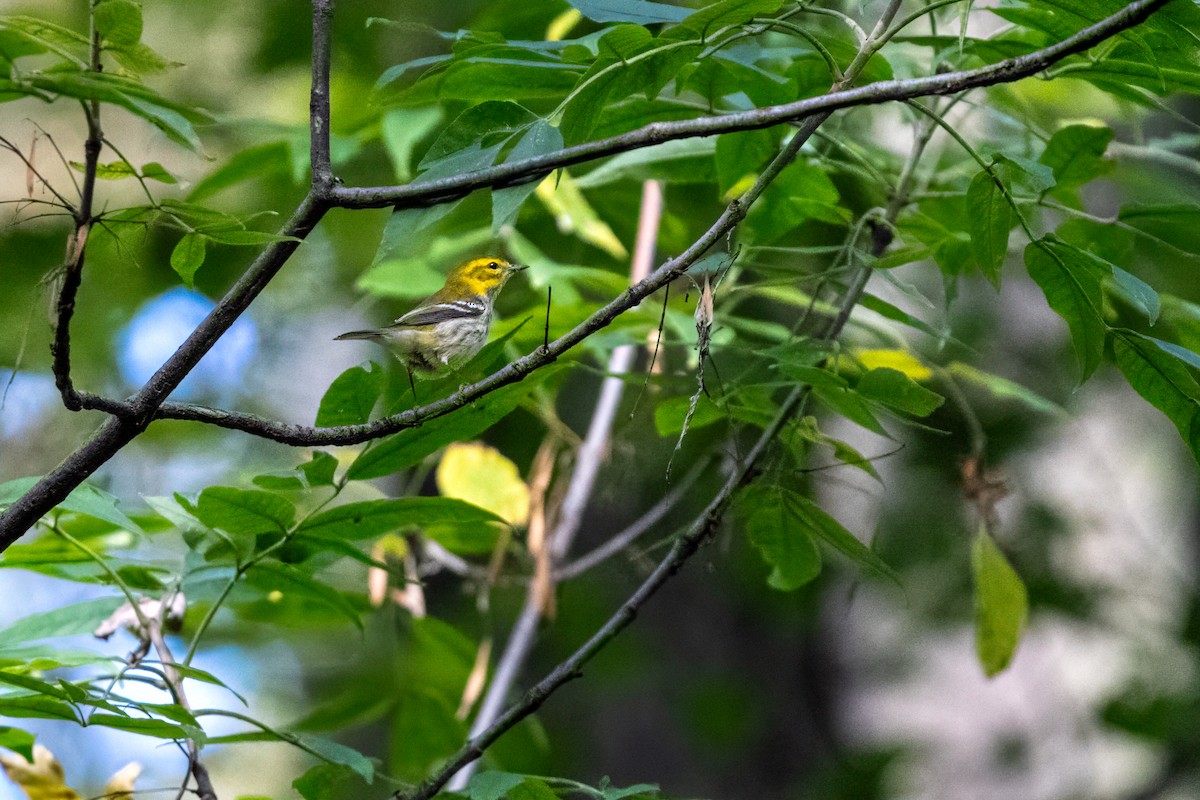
[(318, 104), (635, 530), (428, 193), (72, 276), (579, 492), (131, 417), (440, 191)]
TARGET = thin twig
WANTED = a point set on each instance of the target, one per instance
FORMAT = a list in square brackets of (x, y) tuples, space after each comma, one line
[(631, 534)]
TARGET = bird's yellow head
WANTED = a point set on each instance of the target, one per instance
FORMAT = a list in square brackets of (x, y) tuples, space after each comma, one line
[(480, 276)]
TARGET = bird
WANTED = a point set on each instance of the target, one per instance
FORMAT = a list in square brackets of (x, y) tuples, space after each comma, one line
[(449, 327)]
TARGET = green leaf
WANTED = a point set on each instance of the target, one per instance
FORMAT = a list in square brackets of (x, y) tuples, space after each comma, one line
[(642, 12), (1035, 175), (1071, 280), (329, 782), (613, 793), (424, 731), (801, 192), (48, 36), (519, 74), (742, 155), (844, 401), (288, 580), (18, 741), (828, 529), (782, 538), (492, 785), (339, 754), (1162, 380), (351, 397), (1076, 154), (474, 139), (253, 162), (725, 12), (1138, 292), (118, 22), (317, 471), (319, 746), (194, 673), (1005, 389), (173, 119), (683, 161), (896, 390), (242, 238), (541, 138), (1001, 605), (85, 499), (401, 130), (244, 511), (188, 256), (155, 171), (404, 228), (371, 518), (410, 446), (991, 218), (38, 706), (141, 59), (532, 789), (158, 728)]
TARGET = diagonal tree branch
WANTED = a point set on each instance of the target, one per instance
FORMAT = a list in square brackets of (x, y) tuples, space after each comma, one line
[(132, 417)]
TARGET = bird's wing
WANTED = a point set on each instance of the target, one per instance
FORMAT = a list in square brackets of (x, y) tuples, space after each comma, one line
[(441, 312)]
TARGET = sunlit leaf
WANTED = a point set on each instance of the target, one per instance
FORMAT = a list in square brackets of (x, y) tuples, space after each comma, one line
[(484, 477), (896, 390)]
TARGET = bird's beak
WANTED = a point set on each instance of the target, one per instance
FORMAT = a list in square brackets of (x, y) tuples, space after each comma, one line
[(517, 267)]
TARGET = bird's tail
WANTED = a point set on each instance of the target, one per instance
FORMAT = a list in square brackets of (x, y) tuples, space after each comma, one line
[(358, 335)]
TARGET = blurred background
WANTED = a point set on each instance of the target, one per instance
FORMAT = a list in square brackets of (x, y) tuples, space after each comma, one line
[(723, 687)]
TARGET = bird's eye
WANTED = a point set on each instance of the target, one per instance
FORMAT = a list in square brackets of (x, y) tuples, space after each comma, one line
[(493, 265)]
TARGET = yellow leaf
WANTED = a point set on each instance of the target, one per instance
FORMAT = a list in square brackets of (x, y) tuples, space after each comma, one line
[(41, 780), (573, 214), (899, 360), (481, 475), (739, 188), (561, 25)]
